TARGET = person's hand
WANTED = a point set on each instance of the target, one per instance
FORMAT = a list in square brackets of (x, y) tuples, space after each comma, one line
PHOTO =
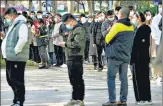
[(94, 45), (66, 33), (108, 29), (62, 44)]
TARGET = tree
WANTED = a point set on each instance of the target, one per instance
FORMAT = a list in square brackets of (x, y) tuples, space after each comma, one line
[(90, 6), (54, 7), (81, 3), (70, 6), (30, 5), (40, 5)]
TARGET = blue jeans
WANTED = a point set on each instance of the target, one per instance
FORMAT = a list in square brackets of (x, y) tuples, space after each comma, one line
[(114, 67)]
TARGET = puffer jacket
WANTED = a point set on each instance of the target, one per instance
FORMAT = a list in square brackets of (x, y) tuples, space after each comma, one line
[(119, 41)]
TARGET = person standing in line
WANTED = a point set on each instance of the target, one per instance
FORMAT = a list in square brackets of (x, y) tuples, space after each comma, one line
[(65, 33), (140, 60), (15, 49), (92, 50), (85, 25), (98, 39), (50, 44), (119, 42), (56, 39), (42, 42), (156, 33), (75, 53)]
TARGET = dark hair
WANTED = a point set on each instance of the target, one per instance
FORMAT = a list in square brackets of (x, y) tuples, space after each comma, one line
[(110, 12), (82, 15), (118, 8), (25, 14), (59, 15), (67, 16), (131, 8), (160, 3), (40, 20), (39, 12), (19, 13), (141, 15), (11, 11), (32, 12)]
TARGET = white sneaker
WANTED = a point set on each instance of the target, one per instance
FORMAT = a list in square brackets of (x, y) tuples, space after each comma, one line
[(63, 66), (141, 103), (159, 81), (148, 103)]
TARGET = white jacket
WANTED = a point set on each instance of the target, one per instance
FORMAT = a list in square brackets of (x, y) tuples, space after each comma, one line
[(55, 33), (156, 33)]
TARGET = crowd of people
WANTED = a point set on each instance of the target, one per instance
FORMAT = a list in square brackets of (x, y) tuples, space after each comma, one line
[(117, 39)]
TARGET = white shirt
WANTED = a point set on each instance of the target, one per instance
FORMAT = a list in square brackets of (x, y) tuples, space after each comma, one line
[(156, 33)]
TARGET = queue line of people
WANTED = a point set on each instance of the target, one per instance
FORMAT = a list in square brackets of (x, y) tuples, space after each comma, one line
[(124, 36)]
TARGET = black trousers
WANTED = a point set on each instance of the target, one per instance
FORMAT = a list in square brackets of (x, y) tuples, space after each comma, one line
[(86, 50), (15, 78), (75, 71), (141, 81), (36, 55), (59, 54), (99, 53)]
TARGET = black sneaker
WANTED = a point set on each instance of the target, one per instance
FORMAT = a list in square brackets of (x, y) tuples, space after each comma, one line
[(42, 67)]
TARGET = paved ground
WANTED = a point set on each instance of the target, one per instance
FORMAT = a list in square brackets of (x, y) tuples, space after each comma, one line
[(51, 88)]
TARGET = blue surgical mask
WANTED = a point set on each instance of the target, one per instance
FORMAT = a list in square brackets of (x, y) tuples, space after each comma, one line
[(8, 22), (69, 27)]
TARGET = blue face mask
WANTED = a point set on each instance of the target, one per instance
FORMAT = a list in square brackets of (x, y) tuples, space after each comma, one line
[(69, 27), (8, 22)]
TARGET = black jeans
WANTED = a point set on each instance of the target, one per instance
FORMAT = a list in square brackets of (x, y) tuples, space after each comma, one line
[(75, 71), (86, 50), (59, 54), (99, 53), (36, 56), (15, 78)]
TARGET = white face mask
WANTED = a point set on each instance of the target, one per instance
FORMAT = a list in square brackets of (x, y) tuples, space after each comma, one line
[(148, 18), (39, 16), (89, 21), (160, 10), (55, 19), (96, 20), (110, 19), (134, 22), (131, 13), (83, 20)]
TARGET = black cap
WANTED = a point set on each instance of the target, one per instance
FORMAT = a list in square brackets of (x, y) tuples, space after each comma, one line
[(67, 16)]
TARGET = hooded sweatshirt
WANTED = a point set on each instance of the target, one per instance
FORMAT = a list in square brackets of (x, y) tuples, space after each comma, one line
[(16, 41)]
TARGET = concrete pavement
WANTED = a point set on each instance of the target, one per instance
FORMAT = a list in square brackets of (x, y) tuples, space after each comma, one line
[(50, 87)]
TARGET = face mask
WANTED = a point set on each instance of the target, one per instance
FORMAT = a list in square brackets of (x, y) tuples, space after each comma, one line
[(89, 21), (55, 19), (101, 19), (8, 22), (148, 18), (96, 20), (39, 16), (110, 19), (29, 25), (131, 13), (83, 20), (160, 10), (134, 22), (77, 19), (69, 27)]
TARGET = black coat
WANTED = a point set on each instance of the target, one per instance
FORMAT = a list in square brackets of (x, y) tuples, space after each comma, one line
[(140, 52)]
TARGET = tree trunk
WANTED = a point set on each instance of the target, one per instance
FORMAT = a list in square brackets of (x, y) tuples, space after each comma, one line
[(70, 7), (40, 5), (30, 5), (54, 7), (83, 7), (78, 7), (115, 3), (100, 5), (90, 7), (6, 4)]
